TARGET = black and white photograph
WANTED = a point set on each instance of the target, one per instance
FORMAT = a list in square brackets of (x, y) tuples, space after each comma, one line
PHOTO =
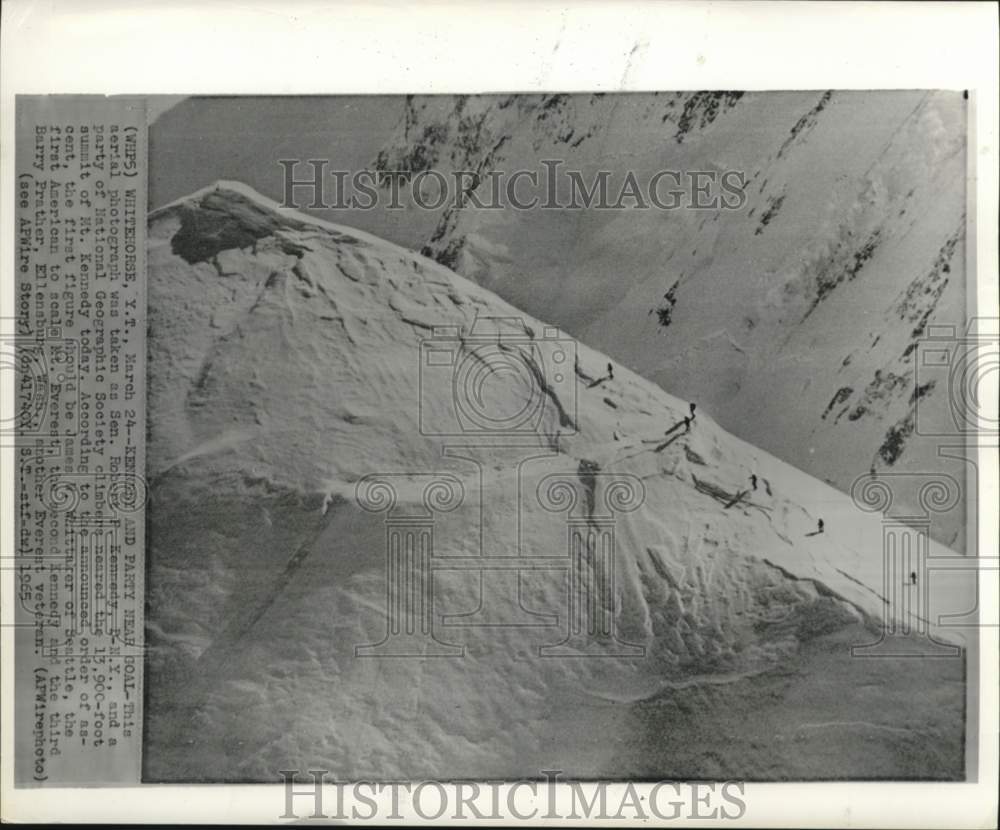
[(484, 491), (549, 454)]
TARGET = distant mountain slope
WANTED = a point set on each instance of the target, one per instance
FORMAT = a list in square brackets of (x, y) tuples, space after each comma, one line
[(291, 360), (793, 320)]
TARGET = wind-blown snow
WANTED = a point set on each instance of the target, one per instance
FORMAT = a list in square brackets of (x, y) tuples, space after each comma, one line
[(284, 368)]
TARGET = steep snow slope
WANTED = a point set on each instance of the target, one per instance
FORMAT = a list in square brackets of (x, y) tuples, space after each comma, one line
[(793, 319), (286, 367)]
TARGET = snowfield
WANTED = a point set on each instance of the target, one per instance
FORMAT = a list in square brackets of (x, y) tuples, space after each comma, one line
[(313, 390)]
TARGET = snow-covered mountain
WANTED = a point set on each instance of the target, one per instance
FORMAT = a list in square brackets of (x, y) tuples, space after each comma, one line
[(316, 393), (793, 319)]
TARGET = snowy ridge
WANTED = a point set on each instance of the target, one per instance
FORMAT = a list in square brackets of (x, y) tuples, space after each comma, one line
[(269, 205), (285, 367)]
